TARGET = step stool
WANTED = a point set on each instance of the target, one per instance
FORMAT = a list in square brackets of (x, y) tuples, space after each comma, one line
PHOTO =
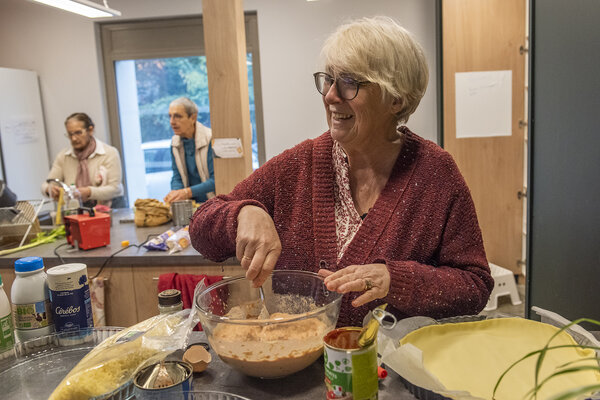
[(504, 284)]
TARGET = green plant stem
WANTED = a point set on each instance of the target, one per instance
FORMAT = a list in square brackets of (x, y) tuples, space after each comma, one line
[(572, 393), (542, 354), (543, 351), (40, 239), (533, 392)]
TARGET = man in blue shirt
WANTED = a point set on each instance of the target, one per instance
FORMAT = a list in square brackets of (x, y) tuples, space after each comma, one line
[(191, 155)]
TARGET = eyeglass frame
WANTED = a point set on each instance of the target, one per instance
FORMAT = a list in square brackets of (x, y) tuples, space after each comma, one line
[(80, 132), (337, 87)]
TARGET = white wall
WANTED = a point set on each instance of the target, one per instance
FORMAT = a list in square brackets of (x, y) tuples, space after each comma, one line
[(61, 48)]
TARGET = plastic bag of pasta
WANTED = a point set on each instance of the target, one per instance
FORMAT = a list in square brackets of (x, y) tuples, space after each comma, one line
[(113, 363)]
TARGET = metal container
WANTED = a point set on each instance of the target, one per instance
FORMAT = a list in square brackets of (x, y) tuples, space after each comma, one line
[(179, 371), (182, 212), (350, 371)]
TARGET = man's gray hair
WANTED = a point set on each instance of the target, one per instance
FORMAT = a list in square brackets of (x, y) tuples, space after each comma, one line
[(188, 105)]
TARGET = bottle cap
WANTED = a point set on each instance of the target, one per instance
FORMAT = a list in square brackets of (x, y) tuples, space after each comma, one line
[(29, 264), (169, 297)]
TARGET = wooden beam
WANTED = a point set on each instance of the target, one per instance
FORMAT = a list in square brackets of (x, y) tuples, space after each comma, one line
[(225, 44)]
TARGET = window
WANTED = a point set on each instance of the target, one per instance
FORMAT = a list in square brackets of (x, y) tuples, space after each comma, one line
[(148, 64)]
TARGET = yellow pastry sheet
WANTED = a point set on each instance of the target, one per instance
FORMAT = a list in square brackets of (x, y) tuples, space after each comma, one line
[(470, 357)]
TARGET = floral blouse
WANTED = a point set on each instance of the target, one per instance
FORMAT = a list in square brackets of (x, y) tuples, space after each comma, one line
[(347, 219)]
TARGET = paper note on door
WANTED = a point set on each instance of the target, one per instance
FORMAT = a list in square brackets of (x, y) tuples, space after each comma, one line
[(483, 104)]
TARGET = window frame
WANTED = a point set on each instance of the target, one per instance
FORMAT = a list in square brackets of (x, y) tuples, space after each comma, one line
[(165, 38)]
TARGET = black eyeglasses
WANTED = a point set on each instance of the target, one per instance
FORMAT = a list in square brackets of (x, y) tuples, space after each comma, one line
[(346, 87), (75, 133)]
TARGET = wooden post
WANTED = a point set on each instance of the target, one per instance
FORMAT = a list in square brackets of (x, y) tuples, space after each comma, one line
[(225, 44)]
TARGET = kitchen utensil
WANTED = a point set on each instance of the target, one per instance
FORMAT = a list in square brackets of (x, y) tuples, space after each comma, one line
[(264, 313)]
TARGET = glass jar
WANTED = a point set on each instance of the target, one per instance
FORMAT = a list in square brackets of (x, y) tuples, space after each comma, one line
[(169, 301)]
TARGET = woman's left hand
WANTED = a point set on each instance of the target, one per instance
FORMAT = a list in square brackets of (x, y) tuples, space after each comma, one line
[(372, 279)]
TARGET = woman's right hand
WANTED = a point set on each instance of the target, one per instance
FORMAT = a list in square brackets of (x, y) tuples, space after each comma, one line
[(257, 243)]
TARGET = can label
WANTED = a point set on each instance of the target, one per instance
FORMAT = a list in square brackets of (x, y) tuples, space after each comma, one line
[(7, 337), (70, 298), (350, 371), (32, 315)]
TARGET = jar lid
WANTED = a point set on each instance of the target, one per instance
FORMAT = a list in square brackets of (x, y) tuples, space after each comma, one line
[(169, 297), (29, 264)]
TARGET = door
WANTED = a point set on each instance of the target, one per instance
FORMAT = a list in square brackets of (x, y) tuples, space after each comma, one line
[(488, 36)]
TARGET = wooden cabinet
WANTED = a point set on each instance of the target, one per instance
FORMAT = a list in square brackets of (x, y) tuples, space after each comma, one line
[(131, 292), (119, 295), (146, 283)]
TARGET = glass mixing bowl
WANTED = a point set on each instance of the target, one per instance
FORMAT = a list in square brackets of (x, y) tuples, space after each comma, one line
[(301, 311)]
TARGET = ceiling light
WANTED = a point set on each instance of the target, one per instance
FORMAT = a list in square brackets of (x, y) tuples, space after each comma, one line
[(83, 7)]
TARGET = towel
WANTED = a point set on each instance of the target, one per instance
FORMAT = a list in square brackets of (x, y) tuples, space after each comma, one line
[(185, 283), (97, 296)]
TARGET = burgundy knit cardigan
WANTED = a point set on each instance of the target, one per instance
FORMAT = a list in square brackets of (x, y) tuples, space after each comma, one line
[(423, 227)]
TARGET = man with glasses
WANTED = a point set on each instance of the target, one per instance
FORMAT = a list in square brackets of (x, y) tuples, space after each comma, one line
[(91, 166)]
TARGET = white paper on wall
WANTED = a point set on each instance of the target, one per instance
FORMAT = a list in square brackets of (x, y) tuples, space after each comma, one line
[(23, 129), (227, 148), (483, 104)]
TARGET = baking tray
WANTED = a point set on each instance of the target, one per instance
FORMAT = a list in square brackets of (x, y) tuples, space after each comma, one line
[(579, 334)]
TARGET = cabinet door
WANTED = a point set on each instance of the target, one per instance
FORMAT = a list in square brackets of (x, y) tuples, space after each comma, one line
[(486, 36), (119, 295)]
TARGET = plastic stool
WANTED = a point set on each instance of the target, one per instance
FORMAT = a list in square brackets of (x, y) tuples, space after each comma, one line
[(504, 284)]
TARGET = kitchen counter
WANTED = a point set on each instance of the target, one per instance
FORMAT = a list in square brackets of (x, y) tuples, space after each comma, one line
[(122, 229), (130, 277), (308, 384)]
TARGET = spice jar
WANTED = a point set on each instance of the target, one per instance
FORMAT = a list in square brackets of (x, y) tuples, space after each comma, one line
[(169, 301)]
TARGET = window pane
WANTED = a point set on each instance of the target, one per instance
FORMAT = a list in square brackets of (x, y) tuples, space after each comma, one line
[(145, 88)]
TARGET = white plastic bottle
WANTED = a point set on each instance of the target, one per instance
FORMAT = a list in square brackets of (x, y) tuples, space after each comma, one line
[(7, 336), (32, 313)]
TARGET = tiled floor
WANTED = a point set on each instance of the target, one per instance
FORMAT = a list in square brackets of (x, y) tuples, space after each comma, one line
[(505, 306)]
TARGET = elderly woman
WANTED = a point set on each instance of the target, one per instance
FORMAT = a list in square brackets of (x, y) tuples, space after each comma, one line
[(384, 215)]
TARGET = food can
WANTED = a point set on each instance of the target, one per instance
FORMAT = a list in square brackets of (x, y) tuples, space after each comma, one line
[(182, 211), (70, 299), (350, 371), (180, 376)]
